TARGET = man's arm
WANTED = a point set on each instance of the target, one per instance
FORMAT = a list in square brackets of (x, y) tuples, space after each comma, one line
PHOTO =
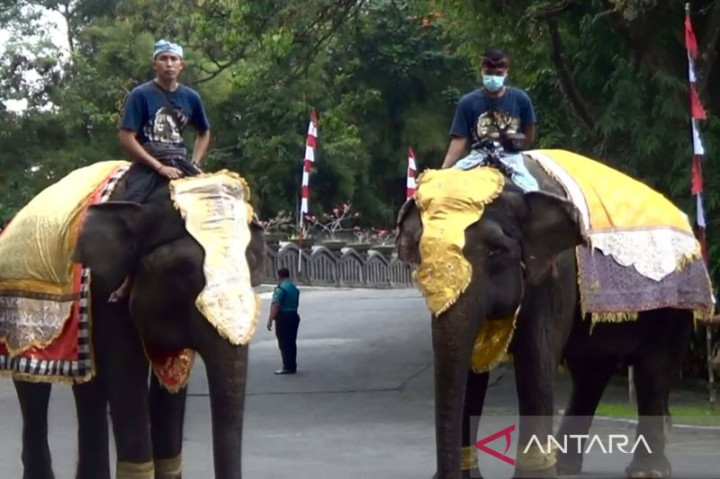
[(274, 311), (202, 142), (460, 131), (202, 126), (130, 144), (529, 121), (275, 307), (530, 133), (456, 150)]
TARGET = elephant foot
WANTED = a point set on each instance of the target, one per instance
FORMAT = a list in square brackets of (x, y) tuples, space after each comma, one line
[(467, 474), (567, 466), (646, 467), (35, 474), (550, 472), (169, 468)]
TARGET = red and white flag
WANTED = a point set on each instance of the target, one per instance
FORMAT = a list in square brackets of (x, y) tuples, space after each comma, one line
[(310, 144), (697, 114), (410, 185)]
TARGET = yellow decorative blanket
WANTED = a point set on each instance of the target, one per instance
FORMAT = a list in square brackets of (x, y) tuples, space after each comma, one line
[(449, 201), (217, 212), (37, 245), (623, 217), (38, 286)]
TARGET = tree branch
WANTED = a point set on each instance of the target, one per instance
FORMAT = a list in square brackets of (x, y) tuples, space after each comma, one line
[(221, 67), (348, 10), (567, 84), (708, 51)]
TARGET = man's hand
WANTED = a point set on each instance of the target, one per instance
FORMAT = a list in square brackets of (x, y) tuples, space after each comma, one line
[(169, 172), (269, 325)]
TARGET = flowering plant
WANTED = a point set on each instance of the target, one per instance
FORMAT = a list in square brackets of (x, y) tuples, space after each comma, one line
[(331, 222), (281, 223), (374, 236)]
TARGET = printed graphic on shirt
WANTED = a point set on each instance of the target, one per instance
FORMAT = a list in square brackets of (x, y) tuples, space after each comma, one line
[(491, 123), (164, 129)]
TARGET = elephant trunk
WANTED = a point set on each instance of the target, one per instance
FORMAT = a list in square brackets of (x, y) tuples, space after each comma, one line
[(226, 367), (453, 335)]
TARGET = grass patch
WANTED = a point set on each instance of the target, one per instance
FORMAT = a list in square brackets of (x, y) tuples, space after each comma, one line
[(681, 414)]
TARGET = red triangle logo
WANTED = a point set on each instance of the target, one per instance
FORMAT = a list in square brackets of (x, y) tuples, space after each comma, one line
[(507, 434)]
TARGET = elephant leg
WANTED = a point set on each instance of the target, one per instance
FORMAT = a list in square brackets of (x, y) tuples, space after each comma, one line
[(226, 367), (534, 385), (93, 435), (589, 380), (167, 417), (121, 354), (475, 392), (538, 345), (453, 337), (657, 368), (36, 459)]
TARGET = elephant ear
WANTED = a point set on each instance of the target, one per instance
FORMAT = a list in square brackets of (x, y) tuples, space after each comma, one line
[(109, 240), (409, 232), (551, 227)]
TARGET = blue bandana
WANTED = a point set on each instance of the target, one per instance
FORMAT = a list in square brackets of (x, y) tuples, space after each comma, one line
[(165, 46)]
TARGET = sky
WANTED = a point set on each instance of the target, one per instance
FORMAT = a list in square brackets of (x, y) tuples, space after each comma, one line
[(58, 34)]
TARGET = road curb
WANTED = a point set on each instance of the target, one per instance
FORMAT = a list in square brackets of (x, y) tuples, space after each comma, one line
[(633, 422), (263, 288)]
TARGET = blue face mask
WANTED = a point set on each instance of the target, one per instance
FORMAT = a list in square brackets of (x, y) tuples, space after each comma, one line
[(493, 83)]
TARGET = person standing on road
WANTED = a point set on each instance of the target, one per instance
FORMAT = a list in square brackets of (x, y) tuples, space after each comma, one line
[(284, 311)]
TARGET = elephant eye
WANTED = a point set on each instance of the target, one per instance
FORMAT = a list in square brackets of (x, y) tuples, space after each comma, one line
[(495, 251)]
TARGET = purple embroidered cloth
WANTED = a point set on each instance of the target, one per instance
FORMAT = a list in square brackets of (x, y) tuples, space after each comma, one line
[(606, 287)]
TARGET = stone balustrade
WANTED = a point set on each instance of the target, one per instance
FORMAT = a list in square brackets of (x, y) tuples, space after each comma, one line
[(336, 265)]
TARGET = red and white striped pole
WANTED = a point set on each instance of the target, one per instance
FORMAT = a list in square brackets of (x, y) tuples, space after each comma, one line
[(410, 184), (697, 113), (310, 144)]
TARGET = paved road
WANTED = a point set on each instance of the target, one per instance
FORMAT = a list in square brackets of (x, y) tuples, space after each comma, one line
[(361, 405)]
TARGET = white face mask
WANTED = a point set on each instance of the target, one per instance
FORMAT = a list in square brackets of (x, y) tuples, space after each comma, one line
[(493, 83)]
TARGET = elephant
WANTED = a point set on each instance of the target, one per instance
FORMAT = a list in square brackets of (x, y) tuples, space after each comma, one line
[(522, 252), (151, 242)]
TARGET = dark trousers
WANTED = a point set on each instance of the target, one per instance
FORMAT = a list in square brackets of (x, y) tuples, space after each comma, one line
[(286, 329), (141, 180)]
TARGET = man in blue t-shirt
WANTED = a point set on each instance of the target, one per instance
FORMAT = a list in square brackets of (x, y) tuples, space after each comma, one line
[(156, 114), (485, 112), (155, 117)]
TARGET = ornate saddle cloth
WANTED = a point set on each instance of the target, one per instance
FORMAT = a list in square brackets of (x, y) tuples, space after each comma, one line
[(44, 311), (642, 252)]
